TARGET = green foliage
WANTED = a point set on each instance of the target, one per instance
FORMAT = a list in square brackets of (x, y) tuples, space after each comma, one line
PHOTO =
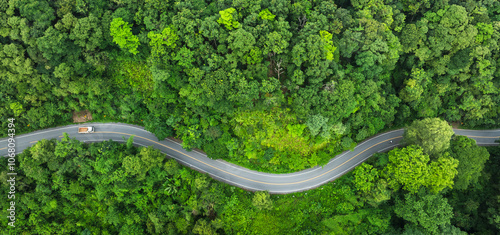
[(167, 37), (484, 32), (441, 173), (130, 141), (427, 211), (122, 35), (414, 87), (88, 32), (38, 12), (202, 227), (318, 124), (327, 40), (260, 130), (432, 134), (226, 18), (262, 200), (410, 168), (365, 177), (407, 168), (471, 160), (276, 42), (242, 44), (17, 108), (266, 15)]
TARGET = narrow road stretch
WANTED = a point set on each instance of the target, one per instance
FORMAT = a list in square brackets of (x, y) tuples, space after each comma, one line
[(233, 174)]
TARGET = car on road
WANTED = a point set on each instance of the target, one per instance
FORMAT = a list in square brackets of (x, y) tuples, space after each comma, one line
[(84, 130)]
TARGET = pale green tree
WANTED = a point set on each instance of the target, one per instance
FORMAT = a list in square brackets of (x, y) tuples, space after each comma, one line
[(471, 160), (227, 18), (262, 200)]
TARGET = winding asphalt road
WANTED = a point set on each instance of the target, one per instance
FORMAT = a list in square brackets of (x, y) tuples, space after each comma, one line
[(233, 174)]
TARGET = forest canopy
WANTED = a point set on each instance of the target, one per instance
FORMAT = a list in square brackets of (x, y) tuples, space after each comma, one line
[(276, 86)]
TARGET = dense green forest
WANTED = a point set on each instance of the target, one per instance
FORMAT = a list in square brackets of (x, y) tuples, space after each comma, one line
[(68, 187), (276, 86)]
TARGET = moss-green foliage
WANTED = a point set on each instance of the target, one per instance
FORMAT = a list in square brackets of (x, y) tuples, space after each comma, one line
[(17, 108), (135, 75)]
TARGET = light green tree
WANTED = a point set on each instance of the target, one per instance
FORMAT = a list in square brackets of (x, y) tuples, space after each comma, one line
[(133, 166), (122, 35), (441, 173), (275, 43), (130, 141), (262, 200), (432, 134), (407, 167), (202, 227), (17, 108), (326, 37), (159, 40), (471, 160), (365, 177), (318, 124)]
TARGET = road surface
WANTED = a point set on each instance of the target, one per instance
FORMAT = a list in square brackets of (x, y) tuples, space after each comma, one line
[(233, 174)]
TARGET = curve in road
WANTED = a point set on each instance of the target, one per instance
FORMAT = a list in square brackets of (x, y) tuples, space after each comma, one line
[(233, 174)]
